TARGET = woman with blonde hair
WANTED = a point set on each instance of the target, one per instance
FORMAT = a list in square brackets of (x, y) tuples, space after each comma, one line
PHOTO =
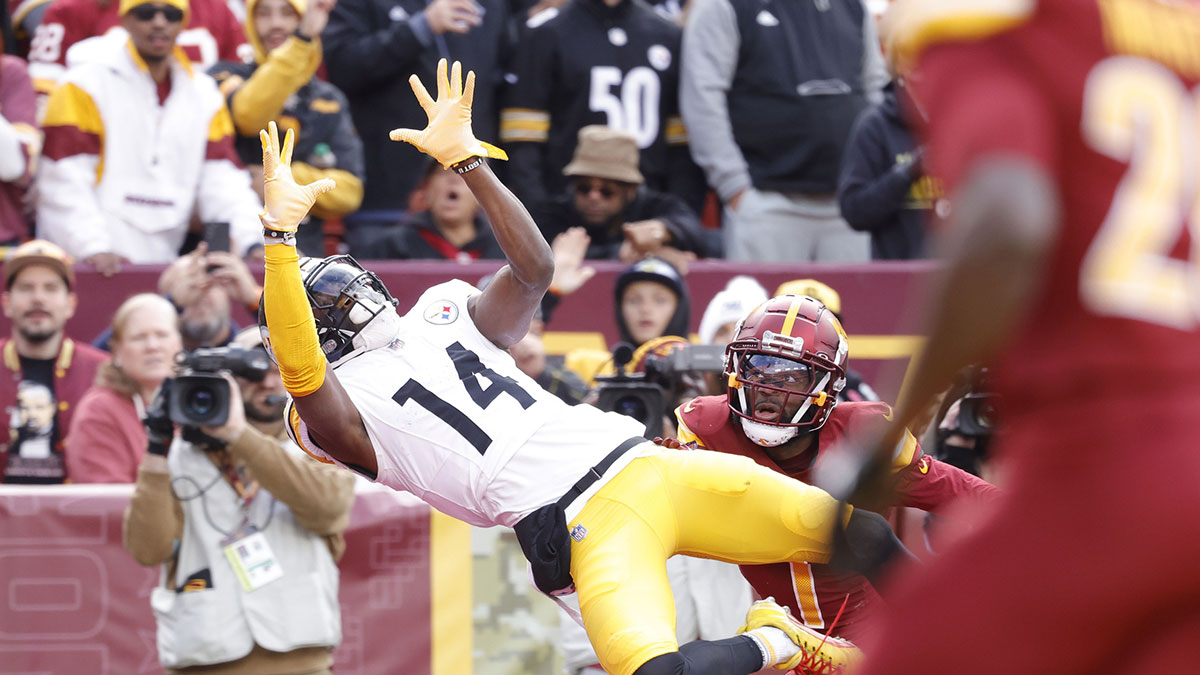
[(106, 440)]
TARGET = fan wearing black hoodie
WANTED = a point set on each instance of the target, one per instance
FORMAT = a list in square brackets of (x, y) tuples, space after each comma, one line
[(882, 188)]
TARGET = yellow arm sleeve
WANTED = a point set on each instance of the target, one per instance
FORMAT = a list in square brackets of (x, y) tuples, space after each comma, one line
[(260, 99), (341, 200), (290, 322)]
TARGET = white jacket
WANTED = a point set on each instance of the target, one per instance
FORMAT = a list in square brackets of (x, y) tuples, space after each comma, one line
[(123, 174), (220, 621)]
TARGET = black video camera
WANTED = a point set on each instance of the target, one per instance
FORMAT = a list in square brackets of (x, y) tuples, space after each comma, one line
[(200, 396), (651, 395), (975, 424)]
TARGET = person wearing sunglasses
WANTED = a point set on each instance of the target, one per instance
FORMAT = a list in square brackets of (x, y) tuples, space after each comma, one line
[(166, 139), (211, 33), (625, 219)]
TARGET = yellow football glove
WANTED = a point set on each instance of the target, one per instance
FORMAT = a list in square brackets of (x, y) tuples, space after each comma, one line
[(448, 137), (286, 202)]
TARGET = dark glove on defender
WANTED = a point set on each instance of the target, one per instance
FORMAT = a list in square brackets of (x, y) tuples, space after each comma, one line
[(159, 427)]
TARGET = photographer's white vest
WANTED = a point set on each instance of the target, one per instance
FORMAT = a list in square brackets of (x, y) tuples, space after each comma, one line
[(220, 621)]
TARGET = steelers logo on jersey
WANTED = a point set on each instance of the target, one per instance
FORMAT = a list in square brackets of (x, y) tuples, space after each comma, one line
[(441, 312), (659, 57)]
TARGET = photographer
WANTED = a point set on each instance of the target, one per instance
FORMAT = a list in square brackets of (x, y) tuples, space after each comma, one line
[(247, 528), (966, 424)]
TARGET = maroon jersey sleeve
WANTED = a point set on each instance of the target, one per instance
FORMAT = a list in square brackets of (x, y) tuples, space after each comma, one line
[(921, 481), (64, 24), (930, 484), (981, 103)]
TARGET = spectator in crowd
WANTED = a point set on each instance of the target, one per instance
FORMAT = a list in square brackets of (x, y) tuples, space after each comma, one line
[(769, 92), (61, 35), (608, 62), (106, 441), (166, 140), (45, 372), (203, 285), (530, 355), (192, 492), (451, 227), (740, 295), (856, 388), (783, 369), (651, 301), (883, 188), (625, 219), (281, 85), (20, 145), (371, 48)]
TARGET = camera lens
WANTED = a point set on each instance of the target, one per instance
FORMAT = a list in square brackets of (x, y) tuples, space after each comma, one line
[(986, 415), (632, 406), (200, 402)]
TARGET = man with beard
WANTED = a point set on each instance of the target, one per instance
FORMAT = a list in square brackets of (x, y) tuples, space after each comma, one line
[(137, 143), (281, 84), (625, 219), (45, 372), (189, 487), (202, 284)]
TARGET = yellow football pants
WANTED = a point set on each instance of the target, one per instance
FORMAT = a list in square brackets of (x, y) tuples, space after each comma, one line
[(699, 503)]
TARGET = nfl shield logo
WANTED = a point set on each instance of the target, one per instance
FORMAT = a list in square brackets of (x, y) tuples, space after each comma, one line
[(578, 532)]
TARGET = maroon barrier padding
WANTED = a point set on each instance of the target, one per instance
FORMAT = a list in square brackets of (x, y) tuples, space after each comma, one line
[(875, 296), (75, 602)]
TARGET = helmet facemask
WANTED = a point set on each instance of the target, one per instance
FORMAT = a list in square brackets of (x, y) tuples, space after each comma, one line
[(345, 299)]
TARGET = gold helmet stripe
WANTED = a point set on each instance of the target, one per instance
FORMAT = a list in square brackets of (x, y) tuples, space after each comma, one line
[(790, 319)]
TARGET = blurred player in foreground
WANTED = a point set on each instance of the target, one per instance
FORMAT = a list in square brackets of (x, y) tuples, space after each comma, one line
[(1066, 131)]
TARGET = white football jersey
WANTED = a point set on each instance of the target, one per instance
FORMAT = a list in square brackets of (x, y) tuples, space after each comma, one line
[(455, 422)]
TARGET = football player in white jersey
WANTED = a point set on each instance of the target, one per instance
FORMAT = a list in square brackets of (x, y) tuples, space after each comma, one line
[(432, 403)]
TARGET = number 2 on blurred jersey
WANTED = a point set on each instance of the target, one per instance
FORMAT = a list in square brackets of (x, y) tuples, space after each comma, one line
[(1140, 112)]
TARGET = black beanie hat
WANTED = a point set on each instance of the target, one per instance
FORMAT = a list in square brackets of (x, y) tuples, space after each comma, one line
[(661, 272)]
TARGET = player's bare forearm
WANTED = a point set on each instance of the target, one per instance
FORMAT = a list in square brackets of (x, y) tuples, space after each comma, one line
[(335, 424), (506, 307)]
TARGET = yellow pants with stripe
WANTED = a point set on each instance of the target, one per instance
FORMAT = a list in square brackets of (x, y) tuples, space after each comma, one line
[(699, 503)]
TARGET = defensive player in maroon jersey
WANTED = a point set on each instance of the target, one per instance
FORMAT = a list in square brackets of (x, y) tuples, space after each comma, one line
[(1066, 132), (784, 369)]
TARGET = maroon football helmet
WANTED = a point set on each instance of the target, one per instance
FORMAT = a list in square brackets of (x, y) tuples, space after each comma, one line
[(785, 368)]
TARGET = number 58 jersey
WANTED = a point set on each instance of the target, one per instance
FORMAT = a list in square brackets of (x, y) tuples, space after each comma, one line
[(456, 423), (1102, 96)]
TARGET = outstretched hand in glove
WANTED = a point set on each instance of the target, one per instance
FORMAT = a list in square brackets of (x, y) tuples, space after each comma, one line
[(448, 137), (287, 203)]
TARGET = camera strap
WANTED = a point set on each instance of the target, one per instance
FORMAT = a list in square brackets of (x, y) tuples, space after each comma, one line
[(246, 492)]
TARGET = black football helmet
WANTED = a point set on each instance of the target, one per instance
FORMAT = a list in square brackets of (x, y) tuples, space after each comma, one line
[(344, 297)]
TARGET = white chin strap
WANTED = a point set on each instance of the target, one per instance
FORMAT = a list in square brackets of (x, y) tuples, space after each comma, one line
[(767, 435)]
